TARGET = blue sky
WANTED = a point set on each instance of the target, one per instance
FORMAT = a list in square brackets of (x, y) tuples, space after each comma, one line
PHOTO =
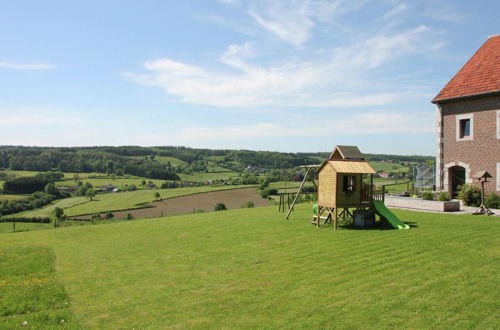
[(290, 75)]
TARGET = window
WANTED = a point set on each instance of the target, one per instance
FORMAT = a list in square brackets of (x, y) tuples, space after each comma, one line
[(349, 183), (465, 127)]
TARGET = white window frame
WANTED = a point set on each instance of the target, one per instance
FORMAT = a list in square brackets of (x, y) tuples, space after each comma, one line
[(498, 125), (469, 116)]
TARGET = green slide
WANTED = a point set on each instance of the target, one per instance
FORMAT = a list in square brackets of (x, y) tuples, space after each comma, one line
[(383, 211)]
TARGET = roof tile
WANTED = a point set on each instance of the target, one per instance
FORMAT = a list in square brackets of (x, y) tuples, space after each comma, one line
[(481, 74)]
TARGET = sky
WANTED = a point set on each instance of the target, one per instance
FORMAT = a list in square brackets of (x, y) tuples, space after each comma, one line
[(292, 76)]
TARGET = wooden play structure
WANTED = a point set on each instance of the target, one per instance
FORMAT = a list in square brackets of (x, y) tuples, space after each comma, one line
[(343, 185)]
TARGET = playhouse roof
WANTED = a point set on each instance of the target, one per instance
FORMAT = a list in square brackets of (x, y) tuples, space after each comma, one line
[(345, 166), (480, 75), (346, 152)]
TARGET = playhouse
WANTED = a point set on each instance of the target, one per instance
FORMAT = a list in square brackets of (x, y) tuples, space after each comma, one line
[(345, 190), (341, 186)]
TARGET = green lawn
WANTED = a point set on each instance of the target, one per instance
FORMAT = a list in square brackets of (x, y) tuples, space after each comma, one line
[(249, 268), (31, 295)]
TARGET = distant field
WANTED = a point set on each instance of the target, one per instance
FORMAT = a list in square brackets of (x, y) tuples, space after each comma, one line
[(12, 197), (117, 182), (388, 167), (203, 177), (119, 201), (67, 175), (250, 268), (48, 210)]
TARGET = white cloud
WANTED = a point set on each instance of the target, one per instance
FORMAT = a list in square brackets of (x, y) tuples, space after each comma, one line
[(292, 21), (24, 66), (341, 77)]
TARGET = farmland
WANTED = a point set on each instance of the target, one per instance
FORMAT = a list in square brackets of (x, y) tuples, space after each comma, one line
[(249, 268), (119, 201)]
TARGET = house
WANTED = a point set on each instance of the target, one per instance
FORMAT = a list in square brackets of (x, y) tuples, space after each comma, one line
[(69, 189), (468, 122), (386, 175), (107, 188)]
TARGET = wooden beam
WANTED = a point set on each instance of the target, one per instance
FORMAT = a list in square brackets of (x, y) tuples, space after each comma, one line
[(298, 192)]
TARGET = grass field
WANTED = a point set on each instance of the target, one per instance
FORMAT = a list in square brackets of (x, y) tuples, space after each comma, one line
[(388, 167), (117, 182), (118, 201), (12, 197), (203, 177), (30, 273), (249, 268)]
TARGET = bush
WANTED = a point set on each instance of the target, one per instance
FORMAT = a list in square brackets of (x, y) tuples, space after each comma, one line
[(492, 201), (267, 192), (248, 204), (109, 215), (24, 219), (443, 196), (220, 207), (470, 195), (129, 216), (428, 196), (25, 185)]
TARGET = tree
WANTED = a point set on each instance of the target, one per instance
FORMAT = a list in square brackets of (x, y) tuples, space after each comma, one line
[(58, 213), (90, 193), (119, 172), (50, 188), (220, 207), (109, 215), (76, 177), (157, 195)]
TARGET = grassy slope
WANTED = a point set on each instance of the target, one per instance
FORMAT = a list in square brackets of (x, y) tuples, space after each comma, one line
[(249, 268), (12, 197), (118, 182), (202, 176), (119, 201), (388, 167)]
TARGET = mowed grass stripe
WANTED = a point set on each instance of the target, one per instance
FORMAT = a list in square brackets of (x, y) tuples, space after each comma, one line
[(252, 269)]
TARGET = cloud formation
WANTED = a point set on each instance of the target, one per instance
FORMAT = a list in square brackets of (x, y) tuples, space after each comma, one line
[(341, 76)]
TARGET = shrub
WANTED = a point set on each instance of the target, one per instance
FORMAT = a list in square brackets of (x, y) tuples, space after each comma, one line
[(428, 196), (220, 207), (129, 216), (492, 201), (443, 196), (248, 204), (470, 195), (109, 215)]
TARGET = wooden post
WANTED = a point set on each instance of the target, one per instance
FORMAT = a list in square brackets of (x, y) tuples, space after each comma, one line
[(298, 192), (14, 225)]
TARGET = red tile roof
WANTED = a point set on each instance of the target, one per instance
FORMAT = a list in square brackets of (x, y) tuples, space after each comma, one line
[(481, 74)]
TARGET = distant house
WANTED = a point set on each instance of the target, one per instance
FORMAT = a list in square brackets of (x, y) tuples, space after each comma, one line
[(468, 122), (386, 175), (116, 190), (68, 188), (107, 188)]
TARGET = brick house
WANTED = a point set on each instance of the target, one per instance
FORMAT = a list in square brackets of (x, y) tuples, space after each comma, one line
[(468, 122)]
